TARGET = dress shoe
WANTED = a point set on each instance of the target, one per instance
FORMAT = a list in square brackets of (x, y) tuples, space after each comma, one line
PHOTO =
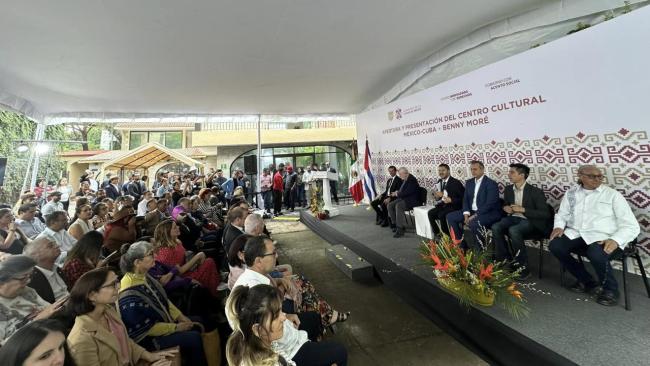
[(607, 298), (399, 233), (582, 288), (378, 222), (393, 228), (384, 224)]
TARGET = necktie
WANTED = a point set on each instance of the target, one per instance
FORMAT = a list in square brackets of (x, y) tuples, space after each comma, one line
[(443, 185), (390, 184)]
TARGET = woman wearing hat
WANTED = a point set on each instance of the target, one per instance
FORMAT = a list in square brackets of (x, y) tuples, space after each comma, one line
[(20, 304), (121, 230)]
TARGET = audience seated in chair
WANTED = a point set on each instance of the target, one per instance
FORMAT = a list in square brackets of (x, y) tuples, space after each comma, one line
[(527, 213), (99, 336), (159, 325), (380, 203), (83, 257), (47, 278), (404, 199), (448, 197), (596, 221), (12, 239), (41, 342), (20, 304), (27, 221), (260, 258), (481, 207)]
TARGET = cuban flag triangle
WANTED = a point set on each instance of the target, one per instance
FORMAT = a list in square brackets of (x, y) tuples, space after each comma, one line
[(368, 178)]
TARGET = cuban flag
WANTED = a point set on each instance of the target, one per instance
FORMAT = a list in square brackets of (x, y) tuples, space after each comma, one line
[(368, 178)]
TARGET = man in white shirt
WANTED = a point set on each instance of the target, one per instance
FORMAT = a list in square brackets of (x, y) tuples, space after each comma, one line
[(260, 257), (54, 204), (595, 221), (27, 221), (56, 231), (47, 278)]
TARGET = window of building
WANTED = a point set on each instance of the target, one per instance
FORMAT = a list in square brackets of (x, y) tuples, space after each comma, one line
[(170, 139)]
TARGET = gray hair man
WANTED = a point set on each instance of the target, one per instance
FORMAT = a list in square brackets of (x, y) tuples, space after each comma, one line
[(407, 197), (47, 278)]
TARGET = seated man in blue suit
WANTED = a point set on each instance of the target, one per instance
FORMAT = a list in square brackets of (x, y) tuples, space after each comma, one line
[(405, 198), (481, 206)]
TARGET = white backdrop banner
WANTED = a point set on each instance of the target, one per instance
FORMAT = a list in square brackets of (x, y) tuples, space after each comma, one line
[(581, 99), (592, 80)]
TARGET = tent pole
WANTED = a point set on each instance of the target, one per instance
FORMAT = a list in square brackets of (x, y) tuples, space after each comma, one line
[(259, 160), (40, 131)]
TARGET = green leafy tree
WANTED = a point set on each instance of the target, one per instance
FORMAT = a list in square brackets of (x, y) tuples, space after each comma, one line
[(13, 128)]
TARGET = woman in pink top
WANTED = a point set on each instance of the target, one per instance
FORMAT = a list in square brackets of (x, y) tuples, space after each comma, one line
[(170, 251)]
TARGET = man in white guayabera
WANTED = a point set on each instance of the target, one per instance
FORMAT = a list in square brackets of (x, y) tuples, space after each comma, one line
[(595, 221)]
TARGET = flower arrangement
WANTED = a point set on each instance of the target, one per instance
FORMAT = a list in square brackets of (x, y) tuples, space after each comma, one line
[(473, 277), (316, 203)]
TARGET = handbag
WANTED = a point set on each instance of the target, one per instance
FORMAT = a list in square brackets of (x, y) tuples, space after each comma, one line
[(211, 346)]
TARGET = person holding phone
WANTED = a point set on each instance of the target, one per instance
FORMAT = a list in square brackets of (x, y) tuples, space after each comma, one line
[(20, 304)]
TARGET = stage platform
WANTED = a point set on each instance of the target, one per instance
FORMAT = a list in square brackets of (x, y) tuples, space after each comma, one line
[(563, 328)]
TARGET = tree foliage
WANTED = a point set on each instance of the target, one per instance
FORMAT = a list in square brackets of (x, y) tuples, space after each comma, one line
[(13, 128)]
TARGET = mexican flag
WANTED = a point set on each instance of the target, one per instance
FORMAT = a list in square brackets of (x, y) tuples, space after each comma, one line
[(356, 182)]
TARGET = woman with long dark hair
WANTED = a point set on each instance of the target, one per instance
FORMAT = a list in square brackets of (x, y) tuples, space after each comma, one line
[(98, 336), (83, 257), (257, 321), (80, 223), (169, 250), (39, 343), (12, 239)]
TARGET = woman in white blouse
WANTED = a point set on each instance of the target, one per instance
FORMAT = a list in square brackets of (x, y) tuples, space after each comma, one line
[(81, 223)]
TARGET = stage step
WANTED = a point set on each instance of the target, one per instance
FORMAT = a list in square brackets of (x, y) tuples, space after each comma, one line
[(349, 263)]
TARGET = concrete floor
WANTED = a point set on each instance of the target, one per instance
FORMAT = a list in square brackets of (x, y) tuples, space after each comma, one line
[(383, 330)]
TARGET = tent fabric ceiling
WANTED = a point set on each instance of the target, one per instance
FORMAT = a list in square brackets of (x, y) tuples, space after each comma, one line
[(223, 57)]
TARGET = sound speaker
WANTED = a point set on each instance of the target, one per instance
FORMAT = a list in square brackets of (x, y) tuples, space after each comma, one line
[(250, 164), (3, 166)]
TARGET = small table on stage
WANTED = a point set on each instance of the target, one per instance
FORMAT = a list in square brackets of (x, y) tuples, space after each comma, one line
[(422, 225)]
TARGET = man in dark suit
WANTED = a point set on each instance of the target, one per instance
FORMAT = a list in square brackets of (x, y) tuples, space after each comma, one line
[(407, 197), (47, 278), (527, 212), (481, 207), (113, 188), (380, 202), (235, 226), (136, 188), (449, 195)]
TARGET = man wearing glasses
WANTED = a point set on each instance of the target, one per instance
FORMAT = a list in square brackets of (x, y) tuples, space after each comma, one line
[(594, 220)]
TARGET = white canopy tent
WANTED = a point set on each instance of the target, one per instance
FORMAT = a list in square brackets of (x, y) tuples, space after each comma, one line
[(106, 58), (211, 61)]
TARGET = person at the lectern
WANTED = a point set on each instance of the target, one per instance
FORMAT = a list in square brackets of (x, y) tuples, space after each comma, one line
[(481, 207), (527, 213), (594, 220), (404, 199), (380, 203), (448, 196)]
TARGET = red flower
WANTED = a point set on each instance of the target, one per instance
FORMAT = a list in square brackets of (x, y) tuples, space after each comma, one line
[(438, 263), (486, 272), (453, 236)]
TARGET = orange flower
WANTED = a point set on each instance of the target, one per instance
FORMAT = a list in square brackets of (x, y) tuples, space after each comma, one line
[(461, 257)]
